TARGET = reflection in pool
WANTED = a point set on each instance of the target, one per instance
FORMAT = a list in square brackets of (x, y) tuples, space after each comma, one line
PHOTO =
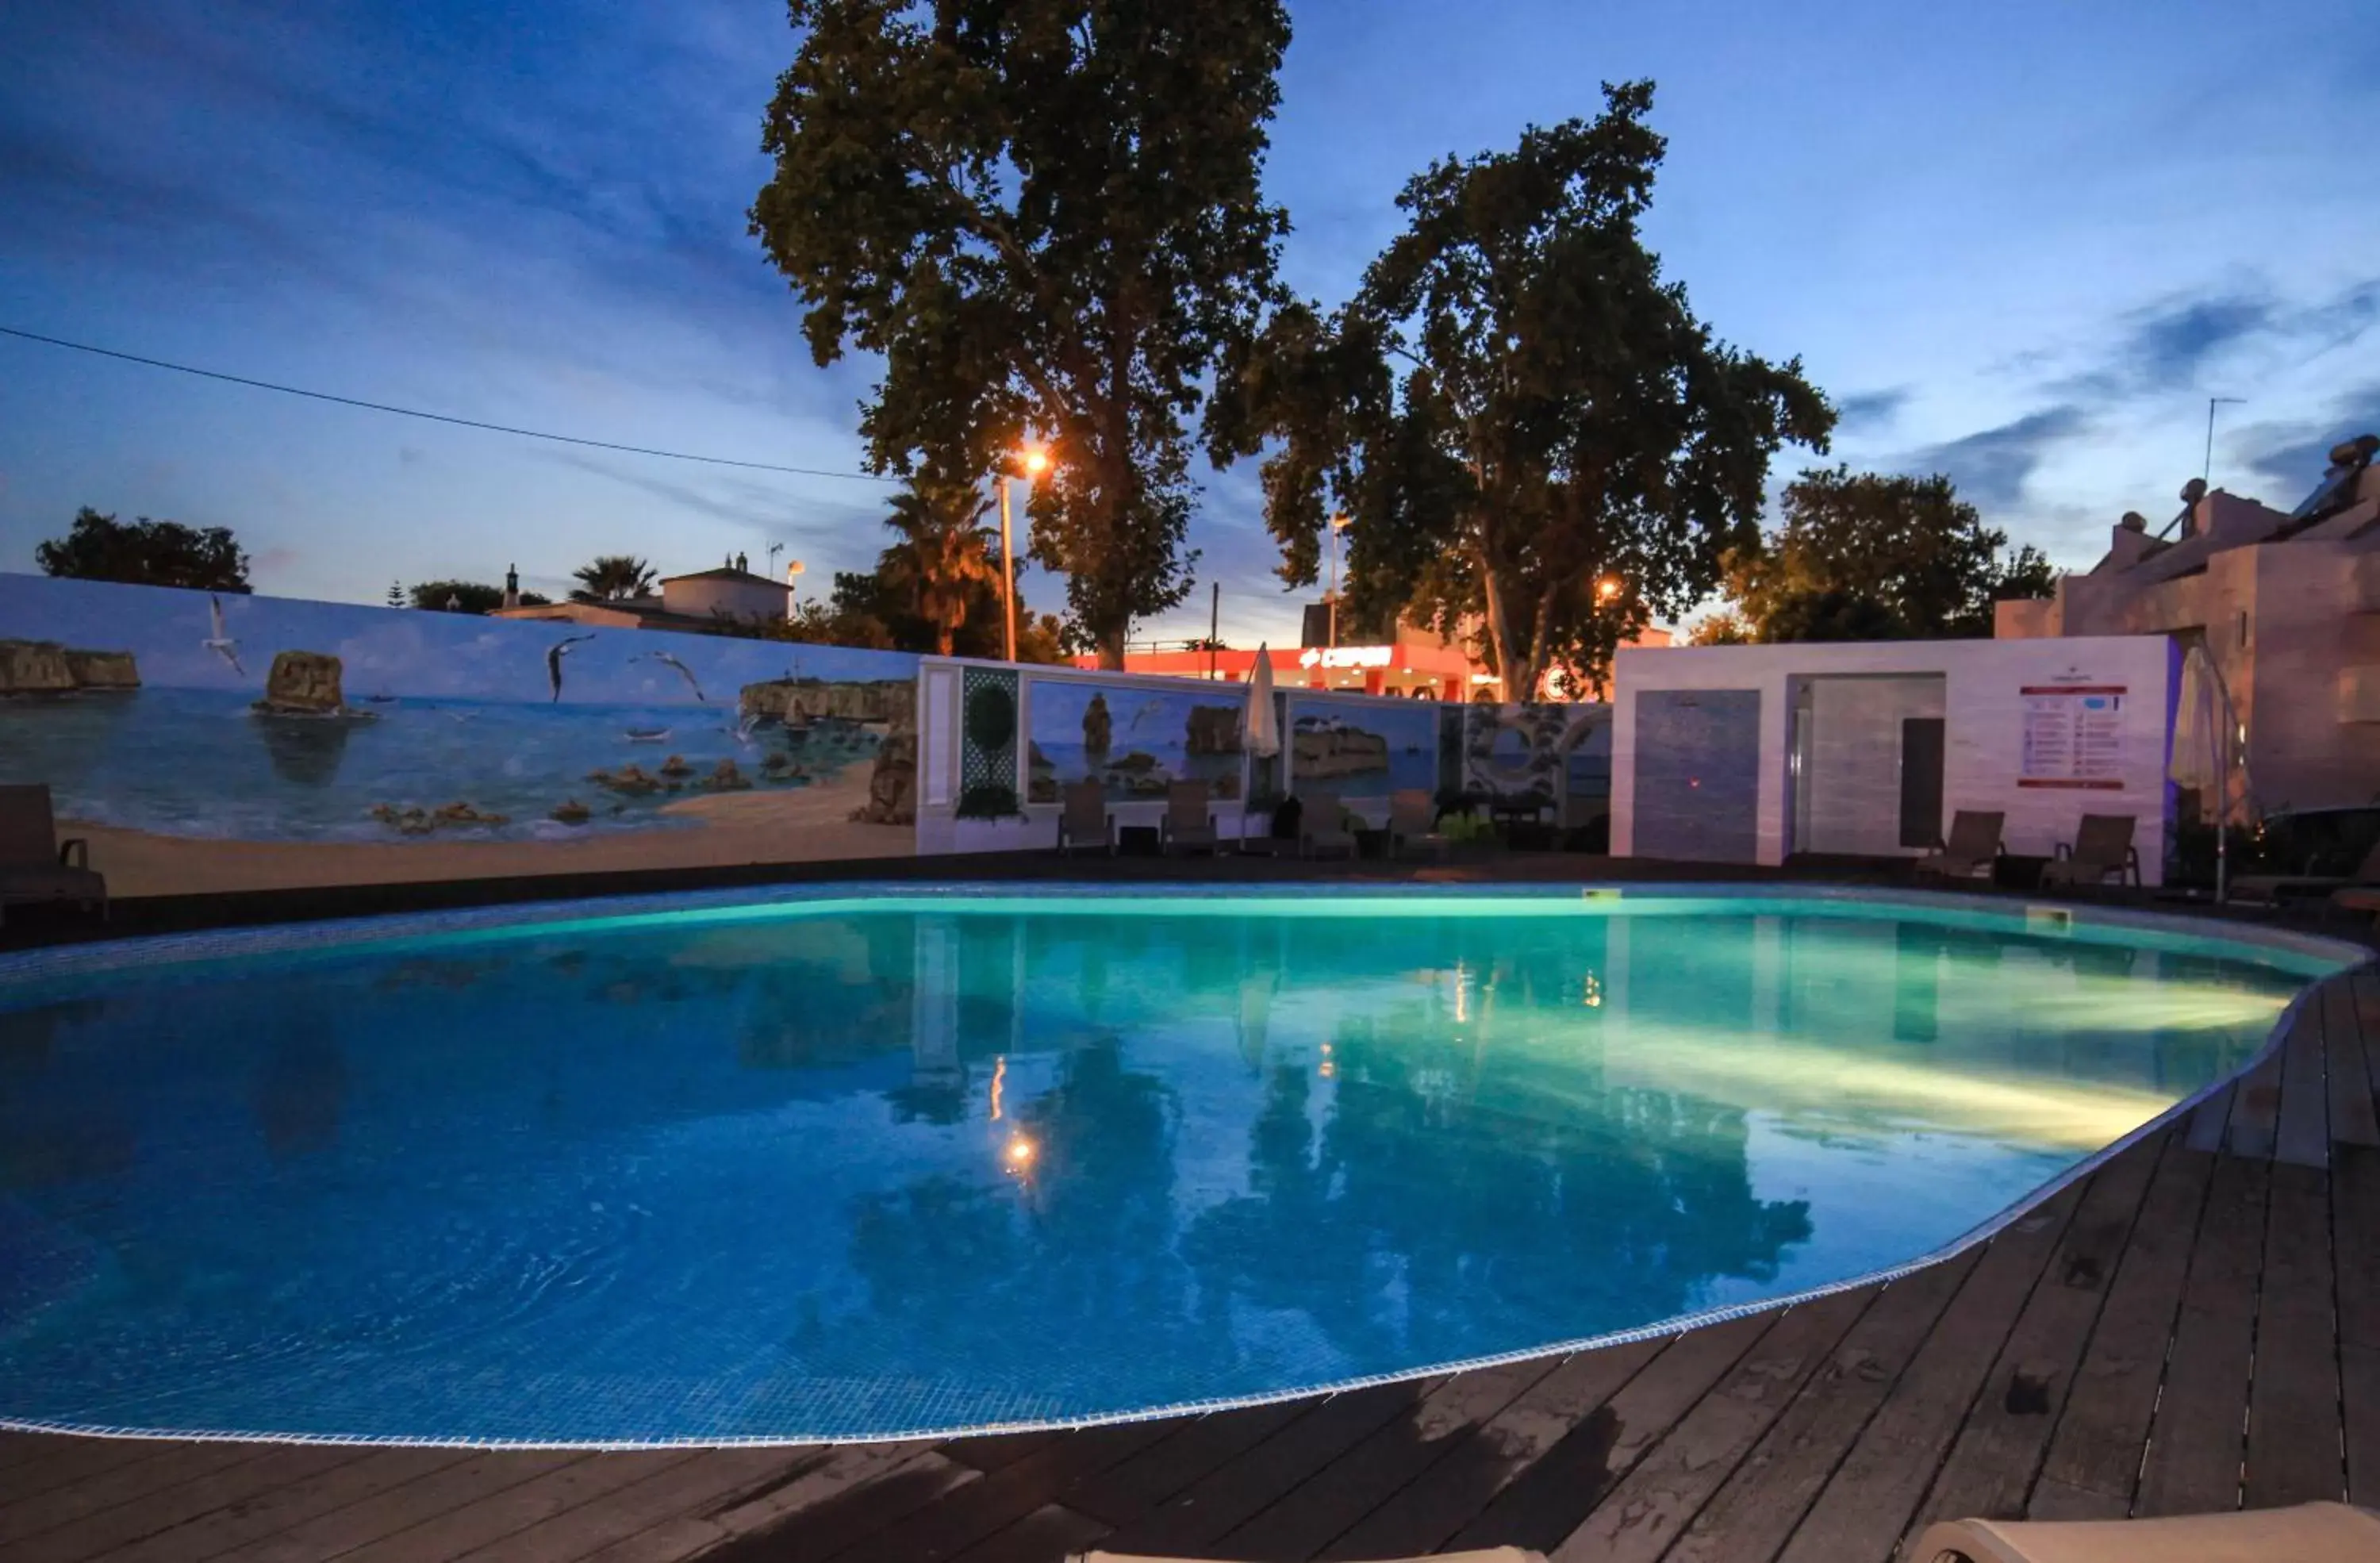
[(847, 1168)]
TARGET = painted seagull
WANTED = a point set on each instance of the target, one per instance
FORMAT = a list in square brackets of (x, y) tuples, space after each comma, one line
[(669, 661), (219, 643), (553, 655)]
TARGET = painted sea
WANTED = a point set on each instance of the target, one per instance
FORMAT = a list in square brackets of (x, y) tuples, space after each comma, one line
[(197, 762)]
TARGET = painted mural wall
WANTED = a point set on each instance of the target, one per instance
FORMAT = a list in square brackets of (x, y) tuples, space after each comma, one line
[(208, 741)]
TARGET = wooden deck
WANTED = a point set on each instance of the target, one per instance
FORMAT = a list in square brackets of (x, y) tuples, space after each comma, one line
[(2195, 1326)]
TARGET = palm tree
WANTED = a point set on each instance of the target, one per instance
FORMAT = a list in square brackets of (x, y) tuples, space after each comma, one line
[(610, 576), (944, 557)]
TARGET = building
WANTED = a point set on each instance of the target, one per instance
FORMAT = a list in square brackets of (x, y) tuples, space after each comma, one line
[(1754, 754), (2287, 605), (698, 603)]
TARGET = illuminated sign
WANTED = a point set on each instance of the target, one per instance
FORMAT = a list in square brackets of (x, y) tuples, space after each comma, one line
[(1346, 657)]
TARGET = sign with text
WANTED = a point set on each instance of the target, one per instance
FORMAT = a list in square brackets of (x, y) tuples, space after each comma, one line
[(2073, 736)]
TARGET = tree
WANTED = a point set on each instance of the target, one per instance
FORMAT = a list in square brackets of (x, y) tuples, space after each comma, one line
[(609, 577), (1896, 557), (1725, 627), (145, 552), (471, 596), (1522, 421), (1046, 215), (943, 559)]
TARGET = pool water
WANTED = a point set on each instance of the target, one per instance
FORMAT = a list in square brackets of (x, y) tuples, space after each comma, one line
[(845, 1168)]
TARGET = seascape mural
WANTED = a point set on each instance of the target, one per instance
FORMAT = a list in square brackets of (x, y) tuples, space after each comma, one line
[(216, 723), (1363, 748), (1136, 740), (1548, 751)]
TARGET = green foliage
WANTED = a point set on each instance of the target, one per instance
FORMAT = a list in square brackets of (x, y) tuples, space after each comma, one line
[(987, 800), (1462, 830), (1046, 216), (145, 552), (609, 577), (468, 597), (1888, 557), (1726, 627), (1516, 407), (945, 564), (991, 719)]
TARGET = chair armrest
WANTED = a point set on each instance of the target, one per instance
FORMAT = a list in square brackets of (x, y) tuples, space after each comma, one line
[(75, 852)]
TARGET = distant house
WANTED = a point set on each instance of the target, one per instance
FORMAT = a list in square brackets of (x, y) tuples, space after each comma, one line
[(2287, 605), (699, 602)]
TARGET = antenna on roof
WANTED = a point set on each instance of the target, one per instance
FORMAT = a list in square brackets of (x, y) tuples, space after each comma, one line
[(2206, 468)]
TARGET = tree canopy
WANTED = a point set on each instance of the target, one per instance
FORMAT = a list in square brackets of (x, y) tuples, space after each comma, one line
[(468, 597), (146, 552), (1867, 556), (608, 577), (1047, 216), (1523, 422), (944, 561)]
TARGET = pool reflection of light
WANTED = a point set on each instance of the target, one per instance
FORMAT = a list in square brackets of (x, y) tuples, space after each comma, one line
[(1019, 1152)]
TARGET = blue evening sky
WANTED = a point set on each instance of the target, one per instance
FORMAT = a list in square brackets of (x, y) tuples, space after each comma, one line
[(2021, 243)]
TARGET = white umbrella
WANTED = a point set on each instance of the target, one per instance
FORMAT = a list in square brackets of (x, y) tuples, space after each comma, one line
[(1261, 732), (2205, 740)]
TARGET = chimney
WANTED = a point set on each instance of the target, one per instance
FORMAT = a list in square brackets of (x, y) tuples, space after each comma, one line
[(511, 586)]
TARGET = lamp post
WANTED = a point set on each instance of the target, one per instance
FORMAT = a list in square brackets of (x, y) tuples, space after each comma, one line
[(1338, 524), (1035, 461)]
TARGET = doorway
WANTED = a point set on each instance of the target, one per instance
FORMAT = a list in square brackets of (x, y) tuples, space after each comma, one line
[(1868, 755)]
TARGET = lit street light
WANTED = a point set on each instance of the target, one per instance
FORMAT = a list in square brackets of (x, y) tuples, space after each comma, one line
[(1035, 460)]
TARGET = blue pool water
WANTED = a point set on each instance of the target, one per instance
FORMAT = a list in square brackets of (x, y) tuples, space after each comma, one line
[(834, 1168)]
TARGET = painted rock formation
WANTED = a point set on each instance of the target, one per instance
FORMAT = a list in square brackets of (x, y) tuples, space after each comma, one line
[(893, 785), (45, 667), (303, 683), (891, 701)]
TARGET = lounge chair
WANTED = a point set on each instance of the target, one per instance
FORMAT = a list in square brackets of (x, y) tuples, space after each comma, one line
[(1486, 1555), (1973, 847), (1187, 824), (1413, 822), (35, 864), (2311, 1532), (1322, 824), (2102, 847), (1086, 823)]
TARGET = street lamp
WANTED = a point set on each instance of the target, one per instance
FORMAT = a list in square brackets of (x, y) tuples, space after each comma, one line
[(1035, 460), (1607, 588), (1339, 523)]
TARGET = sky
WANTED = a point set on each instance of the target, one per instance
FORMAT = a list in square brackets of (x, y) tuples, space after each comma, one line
[(2021, 243)]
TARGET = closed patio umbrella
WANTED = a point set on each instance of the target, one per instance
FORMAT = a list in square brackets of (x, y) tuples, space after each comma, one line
[(1261, 732), (2206, 749)]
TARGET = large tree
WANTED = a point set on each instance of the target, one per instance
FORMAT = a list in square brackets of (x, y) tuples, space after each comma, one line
[(1868, 556), (146, 552), (466, 596), (1047, 216), (1524, 424)]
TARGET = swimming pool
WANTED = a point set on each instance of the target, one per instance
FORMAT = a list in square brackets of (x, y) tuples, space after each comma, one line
[(846, 1163)]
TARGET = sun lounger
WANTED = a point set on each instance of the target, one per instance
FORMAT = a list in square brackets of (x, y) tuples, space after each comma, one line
[(2102, 849), (35, 864), (1187, 824), (1487, 1555), (1973, 847), (2311, 1532), (1085, 824), (2279, 886), (1413, 822), (1322, 825)]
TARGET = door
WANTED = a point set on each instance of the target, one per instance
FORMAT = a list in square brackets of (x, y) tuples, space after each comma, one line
[(1920, 781), (1698, 775)]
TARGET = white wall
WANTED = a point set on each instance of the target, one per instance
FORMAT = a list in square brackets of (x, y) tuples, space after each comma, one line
[(1851, 780), (1983, 680)]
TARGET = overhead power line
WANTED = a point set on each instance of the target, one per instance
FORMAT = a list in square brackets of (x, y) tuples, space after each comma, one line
[(439, 417)]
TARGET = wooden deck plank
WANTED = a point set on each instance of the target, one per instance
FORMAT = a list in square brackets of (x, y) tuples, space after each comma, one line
[(1461, 1482), (1545, 1503), (164, 1512), (1990, 1469), (2054, 1499), (674, 1513), (2100, 1436), (848, 1519), (2358, 1372), (2256, 1108), (2293, 1422), (1194, 1450), (1049, 1533), (2301, 1136), (804, 1485), (242, 1525), (993, 1450), (1868, 1502), (960, 1520), (30, 1462), (49, 1508), (2193, 1463), (2355, 1240), (359, 1524), (1234, 1491), (2352, 1120), (1756, 1510), (499, 1518), (1311, 1515), (1638, 1519), (2364, 983), (2208, 1119)]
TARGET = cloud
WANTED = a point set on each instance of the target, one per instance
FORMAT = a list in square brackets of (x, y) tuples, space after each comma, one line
[(2291, 455), (1866, 410), (1992, 465), (2164, 345), (778, 516)]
